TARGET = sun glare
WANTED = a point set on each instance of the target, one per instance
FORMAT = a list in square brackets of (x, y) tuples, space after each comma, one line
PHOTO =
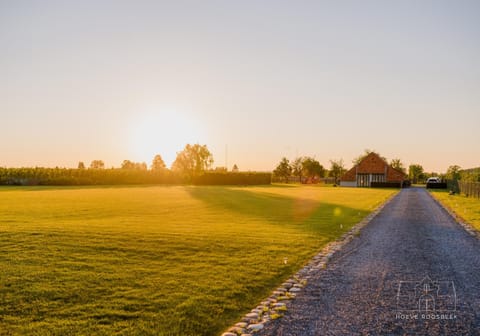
[(164, 133)]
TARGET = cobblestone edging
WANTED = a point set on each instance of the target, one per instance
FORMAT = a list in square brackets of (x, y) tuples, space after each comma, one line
[(466, 226), (277, 303)]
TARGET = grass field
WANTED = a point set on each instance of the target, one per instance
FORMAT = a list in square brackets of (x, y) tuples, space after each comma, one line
[(158, 260), (468, 208)]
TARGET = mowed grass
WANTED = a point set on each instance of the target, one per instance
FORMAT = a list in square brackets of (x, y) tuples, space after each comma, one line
[(158, 260), (467, 208)]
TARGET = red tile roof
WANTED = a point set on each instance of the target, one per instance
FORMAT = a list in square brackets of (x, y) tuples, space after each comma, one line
[(374, 164)]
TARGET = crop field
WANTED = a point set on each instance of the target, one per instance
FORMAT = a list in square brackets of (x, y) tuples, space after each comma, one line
[(155, 260), (468, 208)]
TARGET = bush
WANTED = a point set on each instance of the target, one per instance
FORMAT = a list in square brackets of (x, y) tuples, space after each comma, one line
[(436, 185), (389, 184)]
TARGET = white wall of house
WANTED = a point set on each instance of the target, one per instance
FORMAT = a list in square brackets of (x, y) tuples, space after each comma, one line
[(348, 183)]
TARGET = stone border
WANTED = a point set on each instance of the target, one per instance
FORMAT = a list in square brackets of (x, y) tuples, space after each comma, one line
[(457, 218), (276, 304)]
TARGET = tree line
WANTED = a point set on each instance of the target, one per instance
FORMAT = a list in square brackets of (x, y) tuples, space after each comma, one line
[(306, 169), (453, 173), (192, 165)]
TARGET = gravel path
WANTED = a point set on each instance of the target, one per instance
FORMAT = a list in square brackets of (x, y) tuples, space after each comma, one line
[(376, 283)]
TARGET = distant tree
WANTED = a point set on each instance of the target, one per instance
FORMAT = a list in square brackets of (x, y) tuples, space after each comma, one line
[(81, 165), (365, 153), (312, 168), (470, 175), (127, 164), (397, 164), (220, 169), (297, 168), (337, 169), (415, 173), (97, 164), (453, 173), (141, 166), (158, 163), (283, 170), (192, 160), (235, 168)]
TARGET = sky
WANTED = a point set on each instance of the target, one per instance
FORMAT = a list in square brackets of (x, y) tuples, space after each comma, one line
[(253, 80)]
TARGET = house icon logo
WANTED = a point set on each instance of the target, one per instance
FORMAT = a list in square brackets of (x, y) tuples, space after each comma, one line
[(426, 292), (426, 299)]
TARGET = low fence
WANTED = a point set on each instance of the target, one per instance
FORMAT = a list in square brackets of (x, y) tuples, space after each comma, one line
[(469, 189)]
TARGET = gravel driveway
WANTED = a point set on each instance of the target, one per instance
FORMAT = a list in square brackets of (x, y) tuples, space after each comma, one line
[(412, 271)]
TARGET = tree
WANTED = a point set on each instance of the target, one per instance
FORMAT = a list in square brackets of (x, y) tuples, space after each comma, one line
[(312, 168), (337, 169), (453, 173), (365, 153), (97, 164), (235, 168), (397, 164), (297, 168), (193, 160), (140, 166), (283, 170), (470, 175), (127, 164), (81, 165), (415, 173), (158, 163)]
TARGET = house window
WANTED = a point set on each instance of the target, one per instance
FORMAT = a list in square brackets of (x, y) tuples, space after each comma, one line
[(378, 177), (363, 180)]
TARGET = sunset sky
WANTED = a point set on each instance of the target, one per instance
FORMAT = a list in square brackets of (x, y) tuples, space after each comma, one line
[(115, 80)]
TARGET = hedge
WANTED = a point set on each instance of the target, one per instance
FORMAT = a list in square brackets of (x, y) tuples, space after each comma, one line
[(436, 185), (246, 178), (403, 184), (115, 176)]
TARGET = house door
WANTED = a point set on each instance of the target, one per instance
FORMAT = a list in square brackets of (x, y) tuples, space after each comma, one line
[(426, 303)]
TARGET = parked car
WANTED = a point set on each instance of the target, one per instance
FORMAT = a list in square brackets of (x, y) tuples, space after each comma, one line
[(436, 183)]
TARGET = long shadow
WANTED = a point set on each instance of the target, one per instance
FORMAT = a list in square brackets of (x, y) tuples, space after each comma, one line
[(300, 213)]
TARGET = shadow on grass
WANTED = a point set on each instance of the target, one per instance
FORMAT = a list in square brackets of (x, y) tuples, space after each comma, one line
[(302, 214)]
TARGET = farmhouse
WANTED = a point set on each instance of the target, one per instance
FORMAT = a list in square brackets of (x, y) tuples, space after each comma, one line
[(372, 168)]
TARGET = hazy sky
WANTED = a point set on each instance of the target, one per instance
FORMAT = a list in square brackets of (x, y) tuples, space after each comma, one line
[(114, 80)]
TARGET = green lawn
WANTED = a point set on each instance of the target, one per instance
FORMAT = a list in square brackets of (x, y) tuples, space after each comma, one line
[(158, 260), (468, 208)]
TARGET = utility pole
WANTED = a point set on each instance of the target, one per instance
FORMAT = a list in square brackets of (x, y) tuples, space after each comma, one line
[(226, 157)]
